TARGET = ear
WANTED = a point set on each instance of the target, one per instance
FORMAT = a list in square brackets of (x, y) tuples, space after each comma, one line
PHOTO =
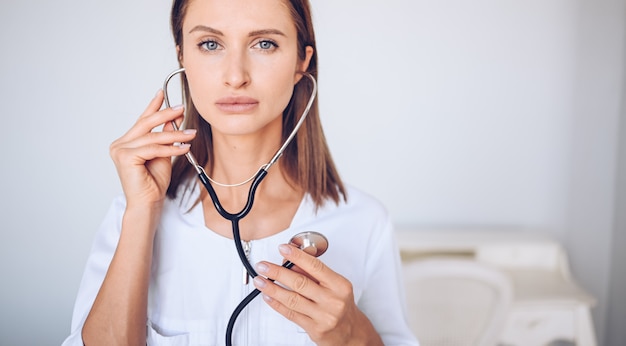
[(304, 64), (179, 55)]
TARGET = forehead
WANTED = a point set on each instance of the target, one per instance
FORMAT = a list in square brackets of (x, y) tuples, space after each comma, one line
[(239, 15)]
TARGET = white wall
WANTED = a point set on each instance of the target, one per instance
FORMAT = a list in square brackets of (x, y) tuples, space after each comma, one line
[(616, 311), (598, 95), (453, 113)]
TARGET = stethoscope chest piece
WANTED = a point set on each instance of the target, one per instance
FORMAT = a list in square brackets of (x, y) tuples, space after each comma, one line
[(313, 243)]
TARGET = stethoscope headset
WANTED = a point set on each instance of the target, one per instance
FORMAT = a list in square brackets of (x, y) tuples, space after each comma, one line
[(311, 242)]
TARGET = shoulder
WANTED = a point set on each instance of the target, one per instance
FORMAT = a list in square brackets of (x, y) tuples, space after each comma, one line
[(362, 202), (360, 211), (358, 196), (187, 195)]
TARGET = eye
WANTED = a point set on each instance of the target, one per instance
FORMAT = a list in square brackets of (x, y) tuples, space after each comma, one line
[(266, 45), (209, 45)]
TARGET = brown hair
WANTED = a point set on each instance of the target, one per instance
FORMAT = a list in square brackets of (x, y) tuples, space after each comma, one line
[(306, 161)]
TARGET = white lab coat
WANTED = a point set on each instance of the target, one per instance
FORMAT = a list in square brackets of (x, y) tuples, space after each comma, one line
[(197, 278)]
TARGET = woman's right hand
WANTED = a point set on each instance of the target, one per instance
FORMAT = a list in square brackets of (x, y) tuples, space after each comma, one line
[(144, 163), (143, 158)]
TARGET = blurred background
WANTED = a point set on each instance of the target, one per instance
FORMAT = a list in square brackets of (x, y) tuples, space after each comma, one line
[(506, 115)]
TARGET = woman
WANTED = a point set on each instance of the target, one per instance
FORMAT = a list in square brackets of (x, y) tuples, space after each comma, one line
[(164, 252)]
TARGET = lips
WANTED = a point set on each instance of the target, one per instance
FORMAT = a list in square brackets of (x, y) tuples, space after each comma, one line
[(236, 104)]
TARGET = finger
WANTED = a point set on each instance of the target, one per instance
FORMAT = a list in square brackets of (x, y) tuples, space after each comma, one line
[(154, 105), (297, 269), (169, 127), (120, 149), (291, 305), (164, 116), (313, 317), (312, 265), (143, 154), (291, 299), (297, 282), (162, 138), (147, 123)]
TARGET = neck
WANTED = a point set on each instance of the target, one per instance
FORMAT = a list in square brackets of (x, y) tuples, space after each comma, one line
[(235, 160), (276, 186), (237, 157)]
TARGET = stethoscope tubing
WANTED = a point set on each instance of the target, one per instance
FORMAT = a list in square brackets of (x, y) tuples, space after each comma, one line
[(249, 298), (234, 218)]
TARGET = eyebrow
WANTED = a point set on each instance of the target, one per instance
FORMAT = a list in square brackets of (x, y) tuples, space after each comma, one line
[(252, 33), (266, 32), (207, 29)]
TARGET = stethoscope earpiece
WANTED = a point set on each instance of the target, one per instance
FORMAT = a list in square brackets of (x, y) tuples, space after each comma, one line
[(313, 243)]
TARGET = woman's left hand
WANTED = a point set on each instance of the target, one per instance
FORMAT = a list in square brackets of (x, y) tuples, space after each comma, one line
[(318, 299)]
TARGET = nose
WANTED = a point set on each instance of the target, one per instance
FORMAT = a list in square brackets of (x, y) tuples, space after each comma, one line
[(236, 73)]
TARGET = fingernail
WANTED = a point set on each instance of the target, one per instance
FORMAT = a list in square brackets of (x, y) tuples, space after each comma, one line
[(262, 267), (182, 145), (267, 298), (157, 93), (285, 249), (177, 107), (189, 131), (258, 282)]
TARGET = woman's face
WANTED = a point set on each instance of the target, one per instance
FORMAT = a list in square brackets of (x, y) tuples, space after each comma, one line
[(241, 63)]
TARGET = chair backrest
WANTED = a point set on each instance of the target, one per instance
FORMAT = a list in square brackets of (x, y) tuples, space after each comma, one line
[(456, 302)]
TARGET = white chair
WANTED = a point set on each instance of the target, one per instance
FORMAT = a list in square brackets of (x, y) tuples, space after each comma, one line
[(456, 302)]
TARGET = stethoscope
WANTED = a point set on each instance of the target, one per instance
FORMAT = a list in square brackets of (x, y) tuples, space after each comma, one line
[(311, 242)]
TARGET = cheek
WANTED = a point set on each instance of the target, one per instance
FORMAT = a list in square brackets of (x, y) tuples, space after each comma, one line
[(202, 83), (281, 93), (200, 91), (279, 83)]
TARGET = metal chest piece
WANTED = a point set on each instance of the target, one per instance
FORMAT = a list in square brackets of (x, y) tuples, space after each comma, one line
[(313, 243)]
